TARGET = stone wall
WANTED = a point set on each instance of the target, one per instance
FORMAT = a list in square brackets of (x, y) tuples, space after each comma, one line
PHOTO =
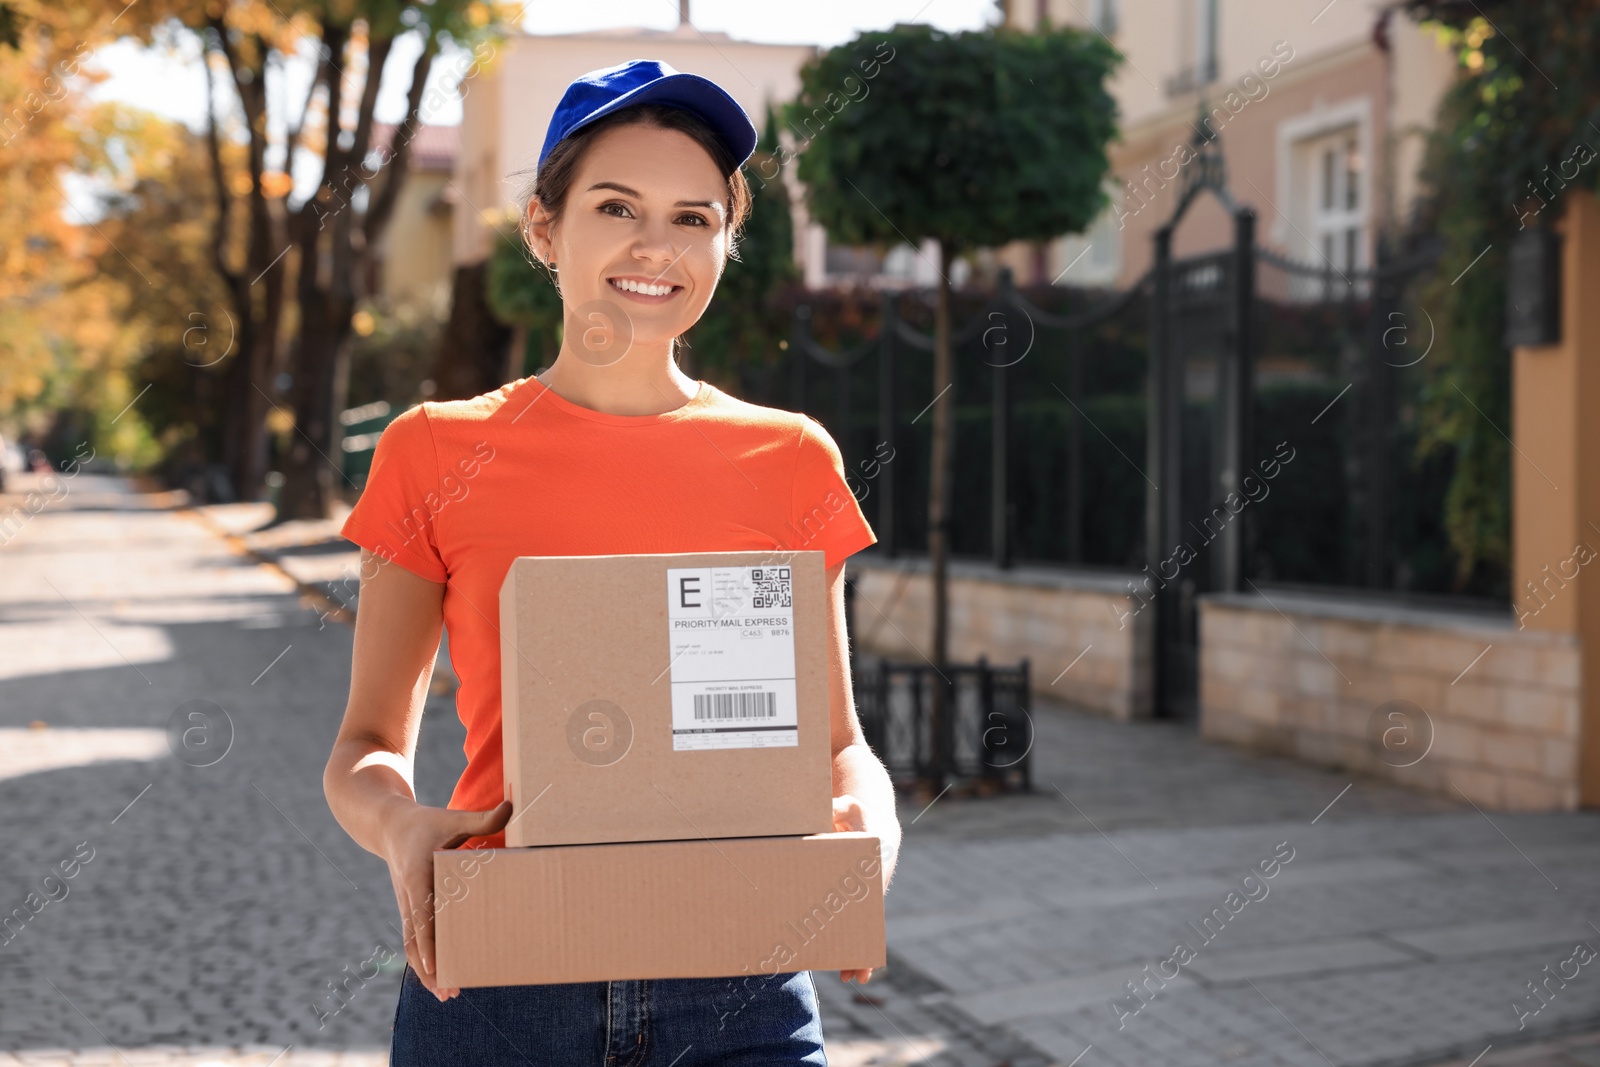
[(1313, 677), (1049, 615)]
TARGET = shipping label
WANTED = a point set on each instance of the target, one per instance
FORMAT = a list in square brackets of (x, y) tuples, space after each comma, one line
[(731, 642)]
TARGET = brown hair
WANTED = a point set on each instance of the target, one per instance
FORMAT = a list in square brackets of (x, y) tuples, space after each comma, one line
[(553, 181)]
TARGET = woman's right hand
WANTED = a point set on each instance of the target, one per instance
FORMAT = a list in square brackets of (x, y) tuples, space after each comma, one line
[(414, 833)]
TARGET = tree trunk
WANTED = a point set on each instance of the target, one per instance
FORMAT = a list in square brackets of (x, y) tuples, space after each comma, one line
[(253, 336), (473, 349), (308, 467), (312, 470), (331, 280), (246, 434), (939, 478), (238, 443)]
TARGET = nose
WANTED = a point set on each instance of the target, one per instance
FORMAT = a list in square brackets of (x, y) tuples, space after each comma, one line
[(654, 247)]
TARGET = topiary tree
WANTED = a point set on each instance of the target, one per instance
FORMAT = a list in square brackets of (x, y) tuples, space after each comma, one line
[(973, 140)]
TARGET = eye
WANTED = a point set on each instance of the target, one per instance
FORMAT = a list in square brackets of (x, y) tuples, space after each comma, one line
[(694, 219), (616, 204)]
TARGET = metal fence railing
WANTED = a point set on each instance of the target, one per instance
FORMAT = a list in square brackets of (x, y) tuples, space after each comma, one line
[(987, 733)]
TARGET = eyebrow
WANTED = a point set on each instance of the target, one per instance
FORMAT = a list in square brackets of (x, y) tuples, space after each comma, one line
[(640, 196)]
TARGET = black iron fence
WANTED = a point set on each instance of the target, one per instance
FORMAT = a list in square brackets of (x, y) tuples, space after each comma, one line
[(1052, 419), (986, 733), (1145, 431), (1341, 369), (1048, 402)]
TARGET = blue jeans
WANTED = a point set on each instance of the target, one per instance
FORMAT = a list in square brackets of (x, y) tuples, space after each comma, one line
[(761, 1019)]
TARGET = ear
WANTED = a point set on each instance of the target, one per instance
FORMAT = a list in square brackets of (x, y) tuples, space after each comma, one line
[(538, 227)]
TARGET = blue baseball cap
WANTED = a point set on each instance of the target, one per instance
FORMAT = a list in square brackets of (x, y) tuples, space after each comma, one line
[(638, 81)]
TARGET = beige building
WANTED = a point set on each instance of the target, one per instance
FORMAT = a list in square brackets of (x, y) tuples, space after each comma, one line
[(413, 261), (1321, 109)]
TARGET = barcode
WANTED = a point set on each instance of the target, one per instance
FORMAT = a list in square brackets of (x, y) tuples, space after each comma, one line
[(772, 588), (735, 705)]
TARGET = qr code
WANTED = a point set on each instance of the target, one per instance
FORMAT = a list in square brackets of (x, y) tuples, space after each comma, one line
[(772, 587)]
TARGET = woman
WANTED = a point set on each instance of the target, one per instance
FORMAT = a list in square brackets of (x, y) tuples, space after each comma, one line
[(636, 206)]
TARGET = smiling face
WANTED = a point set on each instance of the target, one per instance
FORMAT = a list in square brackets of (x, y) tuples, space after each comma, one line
[(644, 229)]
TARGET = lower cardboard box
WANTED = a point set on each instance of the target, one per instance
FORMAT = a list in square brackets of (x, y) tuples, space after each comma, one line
[(658, 909)]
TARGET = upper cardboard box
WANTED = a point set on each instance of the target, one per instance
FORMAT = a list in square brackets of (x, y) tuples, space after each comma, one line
[(665, 697)]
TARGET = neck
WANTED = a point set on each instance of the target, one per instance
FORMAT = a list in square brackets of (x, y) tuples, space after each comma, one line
[(634, 385)]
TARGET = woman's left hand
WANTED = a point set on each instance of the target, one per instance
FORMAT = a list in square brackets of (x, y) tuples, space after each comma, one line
[(847, 818), (847, 815)]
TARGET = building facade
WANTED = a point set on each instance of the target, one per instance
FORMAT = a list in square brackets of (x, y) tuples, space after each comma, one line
[(1322, 111), (413, 261)]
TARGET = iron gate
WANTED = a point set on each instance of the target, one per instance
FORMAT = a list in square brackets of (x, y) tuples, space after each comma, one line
[(1226, 357), (1199, 409)]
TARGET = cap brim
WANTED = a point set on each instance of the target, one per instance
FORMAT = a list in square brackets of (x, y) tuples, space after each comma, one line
[(692, 93)]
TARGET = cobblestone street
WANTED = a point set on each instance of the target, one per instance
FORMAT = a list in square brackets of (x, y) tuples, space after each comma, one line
[(213, 899)]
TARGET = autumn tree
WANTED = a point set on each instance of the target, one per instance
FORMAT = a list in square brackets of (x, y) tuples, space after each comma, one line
[(295, 261), (64, 342), (159, 246), (335, 229)]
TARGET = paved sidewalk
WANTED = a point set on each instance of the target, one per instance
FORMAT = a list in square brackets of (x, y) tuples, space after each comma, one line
[(220, 897)]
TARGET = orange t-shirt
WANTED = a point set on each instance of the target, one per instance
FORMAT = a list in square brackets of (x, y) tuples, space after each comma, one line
[(461, 488)]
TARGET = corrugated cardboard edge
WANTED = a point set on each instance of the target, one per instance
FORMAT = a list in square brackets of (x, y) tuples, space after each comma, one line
[(668, 909), (509, 749)]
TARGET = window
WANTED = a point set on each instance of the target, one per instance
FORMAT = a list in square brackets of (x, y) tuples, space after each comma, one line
[(1322, 205), (1205, 39), (1197, 42), (1336, 215), (1103, 16), (1092, 258), (900, 267), (1324, 162)]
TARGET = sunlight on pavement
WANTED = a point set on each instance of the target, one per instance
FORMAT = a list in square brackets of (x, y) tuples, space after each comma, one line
[(30, 750), (72, 643), (883, 1053)]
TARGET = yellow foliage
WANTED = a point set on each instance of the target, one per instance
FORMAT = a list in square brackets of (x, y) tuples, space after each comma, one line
[(69, 331), (42, 269), (508, 14), (84, 299), (275, 184), (279, 420)]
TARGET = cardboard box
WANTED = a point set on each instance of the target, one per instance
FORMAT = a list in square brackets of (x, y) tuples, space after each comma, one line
[(665, 697), (667, 909)]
